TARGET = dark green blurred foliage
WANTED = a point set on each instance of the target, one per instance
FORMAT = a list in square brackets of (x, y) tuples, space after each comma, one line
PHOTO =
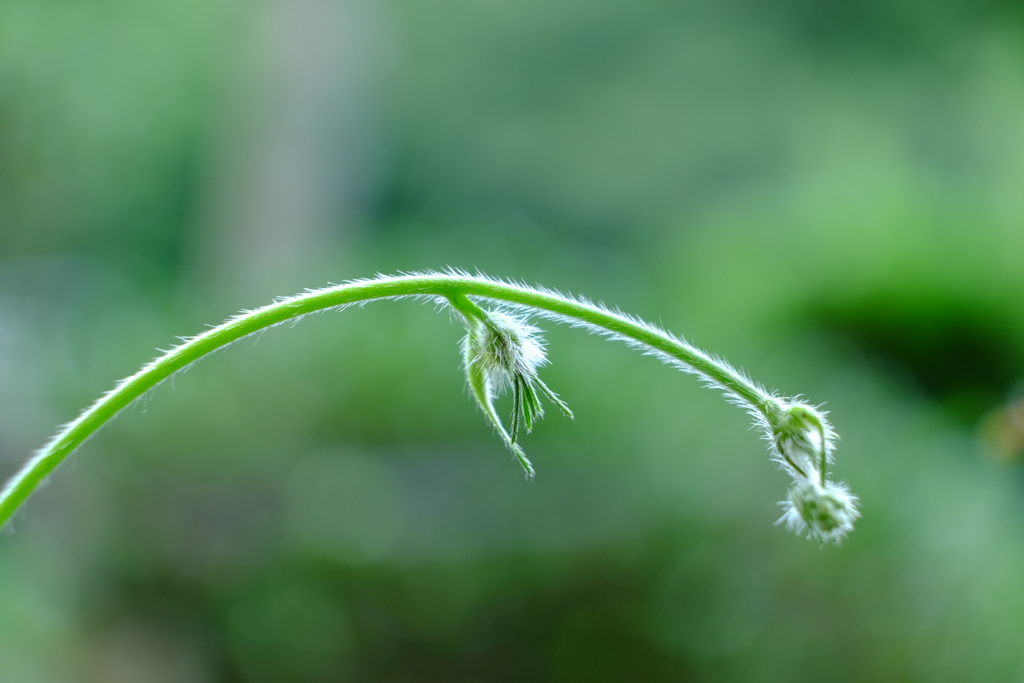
[(828, 194)]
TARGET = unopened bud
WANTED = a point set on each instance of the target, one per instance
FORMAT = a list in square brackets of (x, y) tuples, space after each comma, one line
[(504, 346), (502, 351), (825, 513), (802, 439)]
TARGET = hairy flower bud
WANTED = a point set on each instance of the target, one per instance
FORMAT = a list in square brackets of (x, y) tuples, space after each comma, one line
[(502, 350), (802, 440), (503, 347), (824, 512)]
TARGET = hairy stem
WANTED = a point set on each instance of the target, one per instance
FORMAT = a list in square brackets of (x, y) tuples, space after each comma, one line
[(453, 287)]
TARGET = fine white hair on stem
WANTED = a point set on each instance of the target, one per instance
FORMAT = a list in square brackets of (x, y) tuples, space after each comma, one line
[(502, 349)]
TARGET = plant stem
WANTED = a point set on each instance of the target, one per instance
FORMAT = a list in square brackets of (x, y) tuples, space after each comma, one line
[(454, 287)]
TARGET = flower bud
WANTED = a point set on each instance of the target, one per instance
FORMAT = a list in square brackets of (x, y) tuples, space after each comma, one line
[(504, 346), (802, 439), (501, 351), (824, 512)]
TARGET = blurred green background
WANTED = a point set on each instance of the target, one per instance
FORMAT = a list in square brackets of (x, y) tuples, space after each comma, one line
[(829, 194)]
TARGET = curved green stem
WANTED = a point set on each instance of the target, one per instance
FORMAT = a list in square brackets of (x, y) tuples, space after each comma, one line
[(454, 287)]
